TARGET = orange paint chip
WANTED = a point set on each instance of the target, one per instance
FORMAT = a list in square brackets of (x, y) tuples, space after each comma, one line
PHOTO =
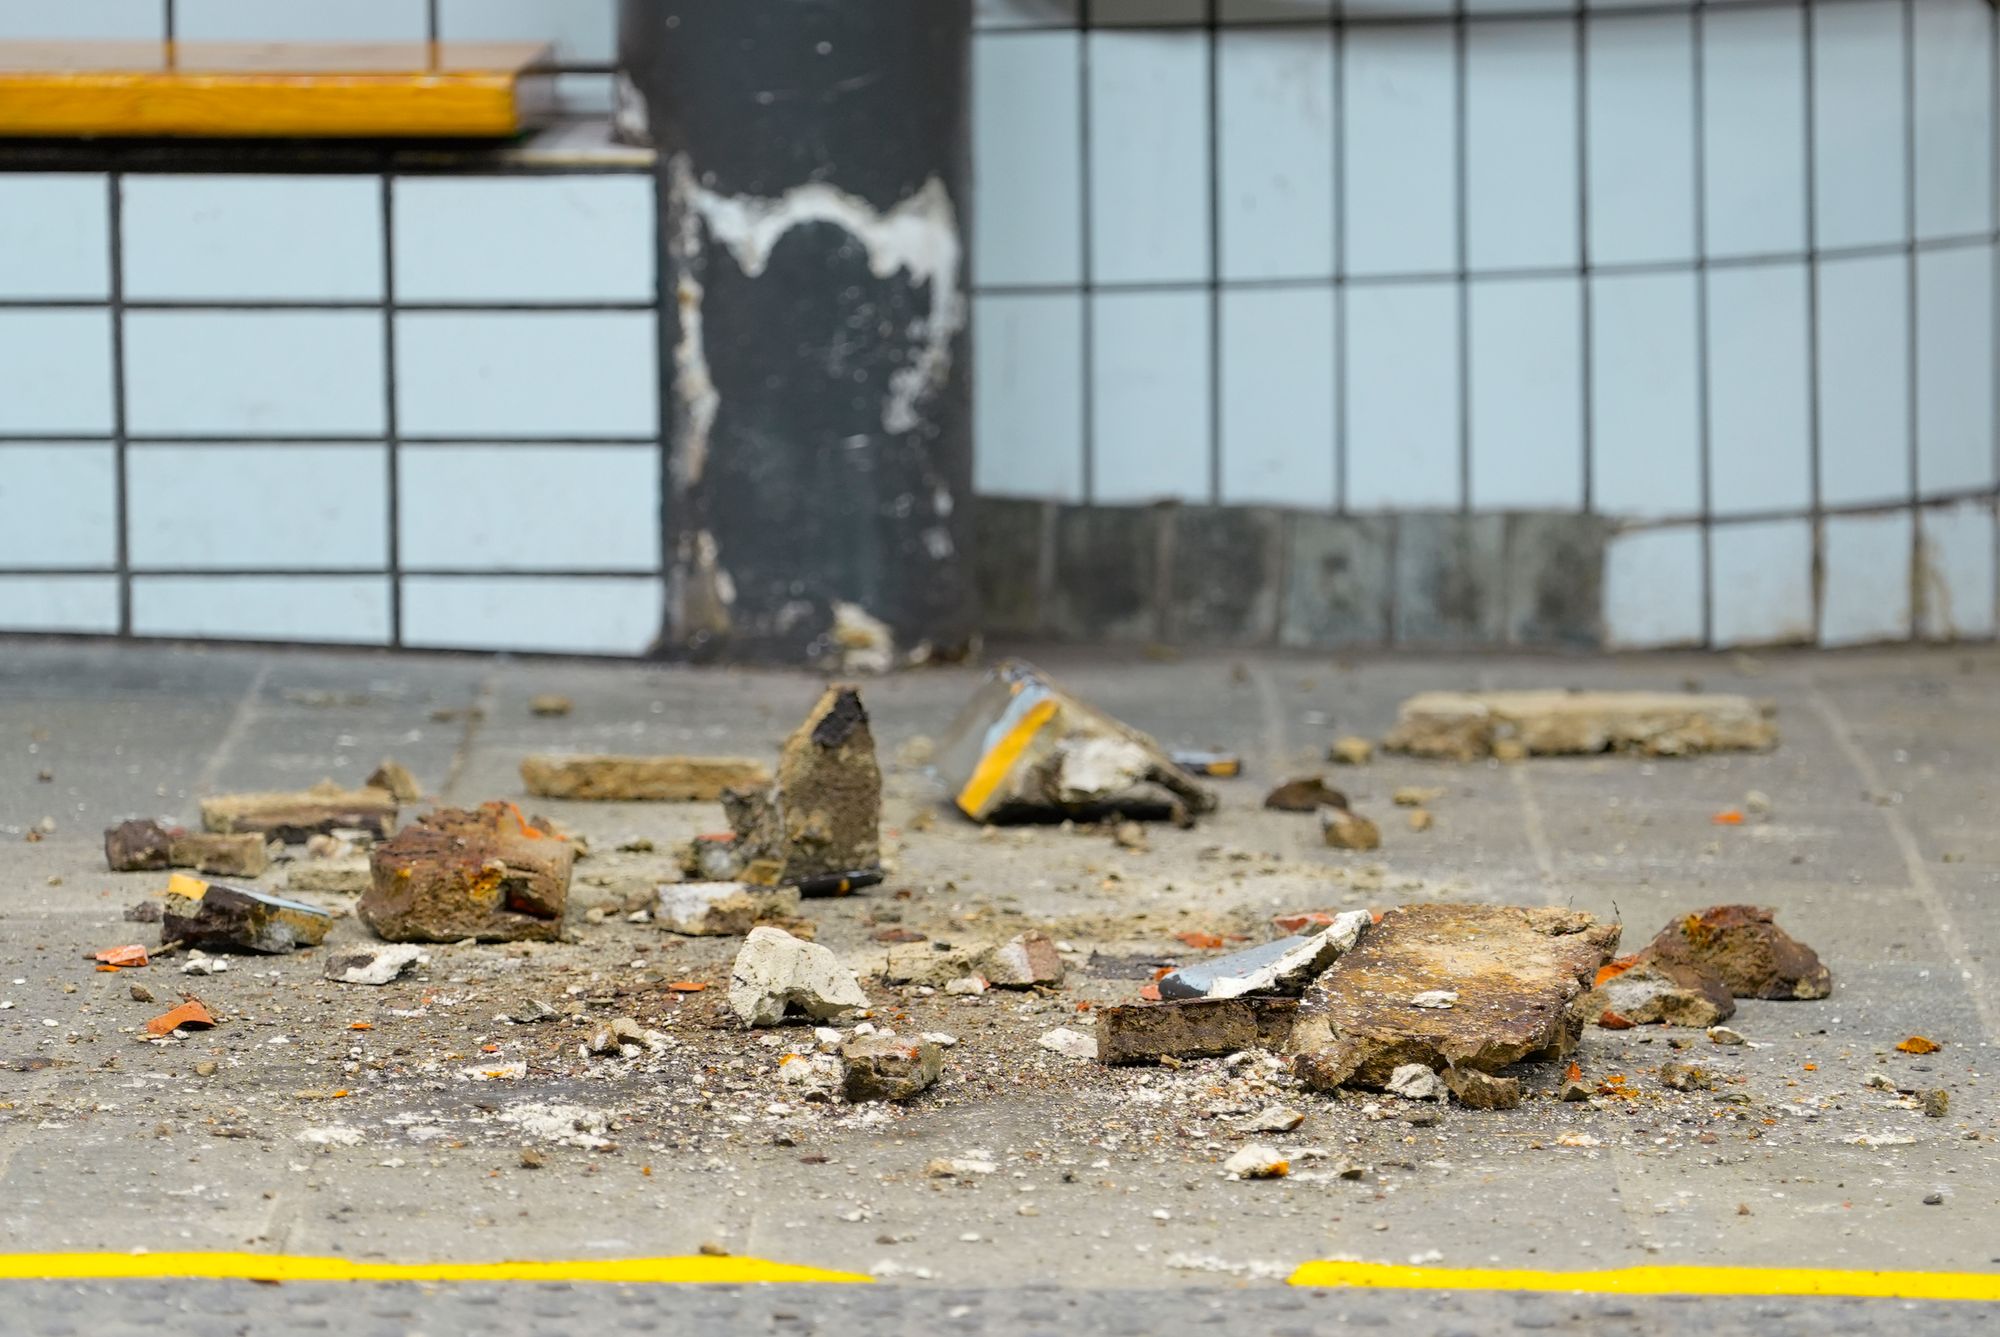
[(1728, 817), (360, 1025), (1612, 1021), (133, 955), (1611, 970), (1150, 993), (489, 1049), (190, 1015), (1199, 941), (1573, 1073), (1919, 1044), (686, 986), (1812, 1067)]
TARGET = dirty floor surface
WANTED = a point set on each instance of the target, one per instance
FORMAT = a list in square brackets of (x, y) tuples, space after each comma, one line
[(290, 1129)]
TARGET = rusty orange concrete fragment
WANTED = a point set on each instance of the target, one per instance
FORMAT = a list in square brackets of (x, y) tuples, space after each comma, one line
[(133, 955), (1919, 1044), (190, 1015)]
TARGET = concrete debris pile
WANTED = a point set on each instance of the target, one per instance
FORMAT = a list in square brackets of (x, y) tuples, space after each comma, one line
[(145, 845), (1470, 726), (668, 779), (293, 817), (216, 915), (487, 873), (1022, 747), (1692, 972)]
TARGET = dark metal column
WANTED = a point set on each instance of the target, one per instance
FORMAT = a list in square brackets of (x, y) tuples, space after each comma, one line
[(812, 175)]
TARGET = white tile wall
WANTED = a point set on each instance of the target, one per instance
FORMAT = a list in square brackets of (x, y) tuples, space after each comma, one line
[(1399, 114), (1027, 395), (1527, 394), (608, 615), (329, 609), (1760, 582), (1653, 588), (1122, 12), (254, 372), (1641, 136), (1148, 156), (1521, 136), (1754, 133), (253, 507), (584, 32), (1759, 390), (577, 374), (265, 21), (1952, 88), (55, 372), (80, 604), (1278, 410), (1150, 409), (1275, 156), (1955, 369), (529, 508), (1867, 563), (1645, 430), (54, 236), (1273, 11), (1864, 391), (58, 505), (568, 238), (114, 20), (1022, 13), (1858, 122), (1956, 571), (257, 238), (1027, 210), (1402, 397)]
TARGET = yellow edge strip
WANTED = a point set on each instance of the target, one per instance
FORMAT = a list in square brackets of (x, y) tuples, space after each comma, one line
[(290, 1267), (1665, 1280), (1000, 758)]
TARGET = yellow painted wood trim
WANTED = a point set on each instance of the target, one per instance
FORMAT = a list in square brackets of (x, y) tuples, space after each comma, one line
[(699, 1269), (1664, 1280), (481, 103), (1000, 758)]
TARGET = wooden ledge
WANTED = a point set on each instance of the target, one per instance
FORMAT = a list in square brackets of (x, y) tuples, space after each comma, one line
[(250, 90)]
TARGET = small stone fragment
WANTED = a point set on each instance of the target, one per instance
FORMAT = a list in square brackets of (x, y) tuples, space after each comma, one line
[(373, 965), (1743, 947), (1468, 726), (240, 919), (1257, 1161), (1723, 1035), (1344, 830), (959, 1167), (532, 1158), (1192, 1028), (1937, 1103), (1421, 819), (141, 994), (1025, 961), (814, 1077), (1478, 1090), (1272, 1119), (721, 909), (1574, 1092), (888, 1067), (291, 817), (145, 845), (549, 705), (669, 779), (1438, 1000), (1933, 1199), (1284, 966), (821, 819), (1070, 1044), (1415, 1081), (488, 874), (776, 975), (1647, 989), (1306, 793), (1757, 803), (1678, 1076), (1130, 836), (395, 777), (1416, 796), (1351, 750)]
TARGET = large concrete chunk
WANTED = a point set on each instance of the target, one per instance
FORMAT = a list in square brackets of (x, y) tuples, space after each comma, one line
[(294, 816), (1497, 984), (145, 845), (776, 975), (656, 779), (217, 916), (1023, 745), (1646, 988), (487, 874), (822, 820), (1742, 946), (888, 1067), (721, 909), (1192, 1028), (1466, 726)]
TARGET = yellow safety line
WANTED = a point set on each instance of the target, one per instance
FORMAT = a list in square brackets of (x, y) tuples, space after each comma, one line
[(291, 1267), (1000, 758), (1665, 1280)]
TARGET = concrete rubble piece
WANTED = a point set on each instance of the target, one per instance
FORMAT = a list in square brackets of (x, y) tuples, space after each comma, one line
[(1470, 726), (216, 915), (820, 822), (888, 1067), (1025, 961), (1635, 991), (144, 845), (721, 909), (294, 816), (1516, 975), (644, 779), (777, 976), (487, 873), (1743, 947), (1192, 1028), (373, 964), (1022, 746), (1281, 966)]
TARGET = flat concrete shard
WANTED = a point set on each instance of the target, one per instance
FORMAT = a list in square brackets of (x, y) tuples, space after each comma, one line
[(1512, 976), (488, 873), (1469, 726), (145, 845), (293, 817), (217, 916), (669, 779), (821, 821), (1192, 1028), (1023, 746)]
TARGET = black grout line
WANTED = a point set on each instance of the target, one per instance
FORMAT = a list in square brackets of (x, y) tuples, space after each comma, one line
[(1918, 592), (348, 572), (1586, 300), (1086, 270), (392, 461), (1214, 146), (1661, 9), (1993, 262), (1703, 400), (1337, 110), (122, 502), (1811, 191), (1460, 254)]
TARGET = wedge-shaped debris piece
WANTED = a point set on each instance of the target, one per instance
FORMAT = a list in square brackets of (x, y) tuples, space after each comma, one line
[(1469, 726), (1192, 1028), (819, 826), (1022, 745), (1281, 966), (1742, 946), (216, 915)]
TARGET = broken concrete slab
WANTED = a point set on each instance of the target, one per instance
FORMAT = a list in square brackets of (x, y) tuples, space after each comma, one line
[(1305, 793), (377, 965), (138, 846), (216, 915), (1516, 974), (1469, 726), (1025, 961), (1647, 989), (486, 873), (1022, 746), (820, 821), (1344, 830), (776, 976), (1478, 1090), (888, 1067), (145, 845), (1743, 946), (721, 909), (665, 779), (294, 816), (1282, 966), (1192, 1028)]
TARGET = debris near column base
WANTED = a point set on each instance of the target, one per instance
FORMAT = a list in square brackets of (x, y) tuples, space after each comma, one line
[(1742, 946), (145, 845), (373, 965), (1192, 1028), (665, 779), (1470, 726), (887, 1067), (1023, 747), (1513, 975), (721, 909), (294, 816), (1282, 966), (777, 975), (240, 919), (820, 822), (486, 873), (1646, 988)]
